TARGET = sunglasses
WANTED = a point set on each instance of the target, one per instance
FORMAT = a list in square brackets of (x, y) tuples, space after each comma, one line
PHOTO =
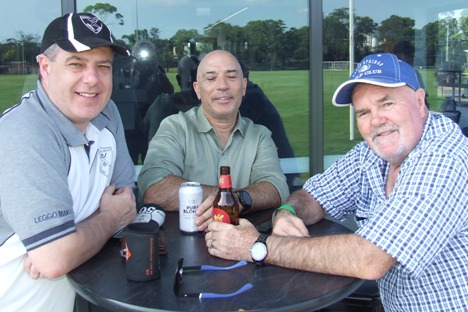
[(181, 270)]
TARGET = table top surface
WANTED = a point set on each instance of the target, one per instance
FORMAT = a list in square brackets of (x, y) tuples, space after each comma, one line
[(102, 280)]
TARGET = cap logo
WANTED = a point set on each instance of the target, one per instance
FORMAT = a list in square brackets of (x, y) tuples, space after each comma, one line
[(93, 23), (365, 69)]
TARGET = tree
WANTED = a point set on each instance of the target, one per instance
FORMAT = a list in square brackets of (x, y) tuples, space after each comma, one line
[(336, 35), (181, 40), (395, 29), (26, 48), (464, 27), (264, 39), (451, 38), (296, 48), (228, 37), (364, 29), (104, 11)]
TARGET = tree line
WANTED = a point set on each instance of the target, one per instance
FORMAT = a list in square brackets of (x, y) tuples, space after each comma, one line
[(270, 45)]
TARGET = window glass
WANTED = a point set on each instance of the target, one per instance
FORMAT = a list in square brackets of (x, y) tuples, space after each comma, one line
[(432, 36), (21, 28), (270, 38)]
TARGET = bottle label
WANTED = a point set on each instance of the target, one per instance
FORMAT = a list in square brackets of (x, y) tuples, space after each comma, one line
[(225, 181), (220, 215)]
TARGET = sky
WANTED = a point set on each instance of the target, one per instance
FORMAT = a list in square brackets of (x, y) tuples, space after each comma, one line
[(197, 14)]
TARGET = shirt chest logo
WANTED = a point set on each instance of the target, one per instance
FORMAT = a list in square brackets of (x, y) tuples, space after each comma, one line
[(105, 160)]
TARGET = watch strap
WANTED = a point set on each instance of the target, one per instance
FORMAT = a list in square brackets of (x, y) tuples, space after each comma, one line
[(261, 239), (245, 206)]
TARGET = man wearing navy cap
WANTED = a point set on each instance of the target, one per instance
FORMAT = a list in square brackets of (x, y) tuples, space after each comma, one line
[(405, 183), (67, 176)]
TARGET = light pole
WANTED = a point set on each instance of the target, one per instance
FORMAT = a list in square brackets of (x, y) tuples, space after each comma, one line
[(22, 52), (447, 45), (136, 12), (17, 51), (351, 64)]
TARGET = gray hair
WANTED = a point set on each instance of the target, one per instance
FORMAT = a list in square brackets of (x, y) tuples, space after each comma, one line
[(51, 53)]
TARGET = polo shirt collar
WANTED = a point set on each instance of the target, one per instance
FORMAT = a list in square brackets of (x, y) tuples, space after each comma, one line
[(203, 125)]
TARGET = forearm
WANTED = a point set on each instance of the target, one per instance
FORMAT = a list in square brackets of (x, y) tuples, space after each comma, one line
[(165, 193), (117, 209), (306, 207), (63, 255), (346, 255), (264, 195)]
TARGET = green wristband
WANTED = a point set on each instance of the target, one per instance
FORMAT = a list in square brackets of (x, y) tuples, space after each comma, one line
[(287, 207)]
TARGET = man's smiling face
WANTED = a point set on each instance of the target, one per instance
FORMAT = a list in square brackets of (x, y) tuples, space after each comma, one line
[(79, 84), (390, 120)]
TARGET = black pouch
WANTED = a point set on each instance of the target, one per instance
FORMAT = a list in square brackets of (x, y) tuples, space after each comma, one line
[(142, 251)]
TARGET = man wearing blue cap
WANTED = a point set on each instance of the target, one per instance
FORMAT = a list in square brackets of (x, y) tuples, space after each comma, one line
[(406, 183), (66, 174)]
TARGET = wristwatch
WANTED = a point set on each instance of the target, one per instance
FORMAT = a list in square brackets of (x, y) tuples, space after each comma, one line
[(244, 199), (259, 249)]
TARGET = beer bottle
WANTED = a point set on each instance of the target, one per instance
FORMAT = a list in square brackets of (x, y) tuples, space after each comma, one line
[(225, 204)]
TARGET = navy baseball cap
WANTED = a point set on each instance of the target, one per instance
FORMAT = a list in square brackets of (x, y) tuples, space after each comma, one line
[(382, 69), (78, 32)]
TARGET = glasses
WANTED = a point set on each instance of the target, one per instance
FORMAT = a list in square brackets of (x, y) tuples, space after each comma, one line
[(181, 269)]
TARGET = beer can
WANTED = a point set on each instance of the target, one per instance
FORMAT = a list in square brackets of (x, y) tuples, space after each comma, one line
[(190, 197)]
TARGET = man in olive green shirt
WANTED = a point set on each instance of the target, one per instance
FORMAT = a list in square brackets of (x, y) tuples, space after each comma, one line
[(192, 146)]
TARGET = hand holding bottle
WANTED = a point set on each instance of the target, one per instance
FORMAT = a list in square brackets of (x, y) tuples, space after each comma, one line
[(225, 205)]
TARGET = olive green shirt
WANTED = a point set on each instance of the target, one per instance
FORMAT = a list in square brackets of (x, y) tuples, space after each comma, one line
[(186, 146)]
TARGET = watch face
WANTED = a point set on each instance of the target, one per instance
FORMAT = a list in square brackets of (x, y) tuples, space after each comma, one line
[(258, 251), (245, 198)]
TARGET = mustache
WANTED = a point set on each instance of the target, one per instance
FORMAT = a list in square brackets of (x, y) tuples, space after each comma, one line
[(376, 132)]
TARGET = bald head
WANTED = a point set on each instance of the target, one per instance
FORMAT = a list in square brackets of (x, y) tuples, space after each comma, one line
[(220, 85), (215, 58)]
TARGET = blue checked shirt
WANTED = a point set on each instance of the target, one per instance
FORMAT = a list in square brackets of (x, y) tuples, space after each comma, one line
[(422, 224)]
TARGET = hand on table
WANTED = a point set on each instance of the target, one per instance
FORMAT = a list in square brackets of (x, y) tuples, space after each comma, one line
[(287, 224), (232, 242)]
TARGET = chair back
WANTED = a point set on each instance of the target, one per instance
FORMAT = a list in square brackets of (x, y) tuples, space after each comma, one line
[(454, 115)]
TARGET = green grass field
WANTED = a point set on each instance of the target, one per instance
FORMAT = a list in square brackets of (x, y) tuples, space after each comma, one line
[(289, 92)]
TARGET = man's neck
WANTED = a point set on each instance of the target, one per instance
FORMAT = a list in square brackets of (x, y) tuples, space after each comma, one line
[(223, 128), (391, 179)]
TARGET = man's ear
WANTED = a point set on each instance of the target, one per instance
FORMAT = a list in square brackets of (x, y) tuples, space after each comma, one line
[(195, 88), (421, 98), (43, 62), (244, 86)]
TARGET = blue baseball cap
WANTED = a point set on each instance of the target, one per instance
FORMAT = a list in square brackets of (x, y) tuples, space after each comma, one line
[(382, 69)]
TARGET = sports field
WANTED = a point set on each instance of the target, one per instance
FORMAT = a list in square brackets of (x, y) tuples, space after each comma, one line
[(289, 92)]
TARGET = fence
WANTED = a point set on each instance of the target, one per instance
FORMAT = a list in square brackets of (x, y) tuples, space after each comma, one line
[(336, 65), (18, 69)]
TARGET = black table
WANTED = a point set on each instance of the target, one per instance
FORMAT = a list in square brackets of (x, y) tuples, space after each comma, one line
[(102, 280)]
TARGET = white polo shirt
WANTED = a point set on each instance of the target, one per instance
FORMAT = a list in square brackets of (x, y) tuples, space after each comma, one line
[(48, 185)]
